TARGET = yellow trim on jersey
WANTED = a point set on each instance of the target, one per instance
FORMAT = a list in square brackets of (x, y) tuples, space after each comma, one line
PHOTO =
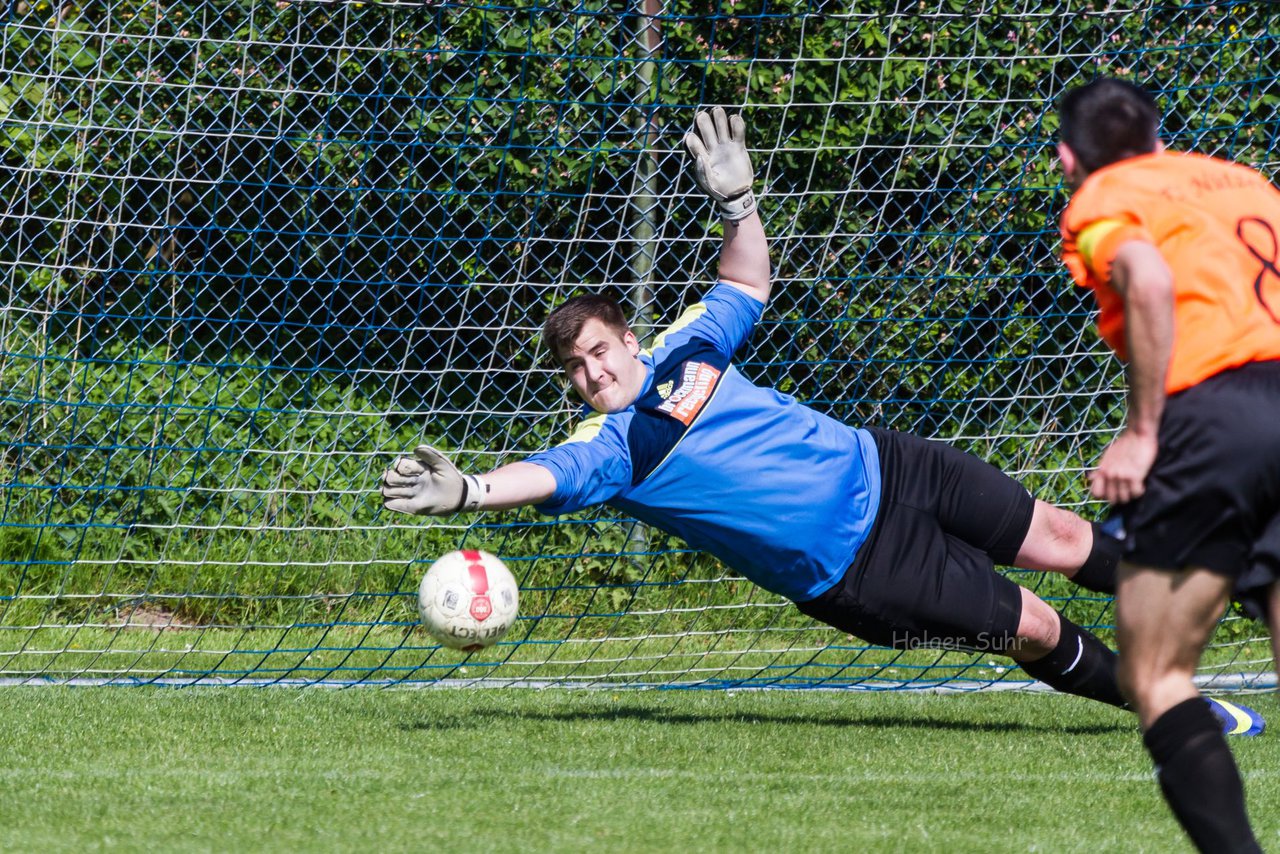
[(691, 314), (1092, 235), (588, 429)]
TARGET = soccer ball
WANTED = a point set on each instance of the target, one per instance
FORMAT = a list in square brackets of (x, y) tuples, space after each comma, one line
[(468, 599)]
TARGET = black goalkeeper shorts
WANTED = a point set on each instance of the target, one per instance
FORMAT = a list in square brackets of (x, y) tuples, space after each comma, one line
[(925, 577), (1212, 498)]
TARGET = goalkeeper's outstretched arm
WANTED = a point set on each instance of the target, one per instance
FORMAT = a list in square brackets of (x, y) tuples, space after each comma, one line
[(744, 257), (722, 169), (428, 484)]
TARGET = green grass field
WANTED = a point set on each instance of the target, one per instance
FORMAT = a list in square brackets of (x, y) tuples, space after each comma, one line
[(238, 769)]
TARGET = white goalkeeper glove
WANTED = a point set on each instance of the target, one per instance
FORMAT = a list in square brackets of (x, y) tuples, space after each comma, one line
[(721, 165), (427, 484)]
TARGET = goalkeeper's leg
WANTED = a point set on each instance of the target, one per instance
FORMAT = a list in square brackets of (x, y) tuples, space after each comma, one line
[(973, 501), (913, 585), (1060, 541), (1064, 656)]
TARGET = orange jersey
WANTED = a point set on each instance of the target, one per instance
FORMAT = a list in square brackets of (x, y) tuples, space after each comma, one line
[(1217, 226)]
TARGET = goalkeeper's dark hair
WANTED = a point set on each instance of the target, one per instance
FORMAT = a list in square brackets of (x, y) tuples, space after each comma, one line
[(1108, 120), (563, 325)]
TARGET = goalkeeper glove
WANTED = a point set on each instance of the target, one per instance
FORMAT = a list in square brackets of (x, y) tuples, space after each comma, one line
[(721, 165), (427, 484)]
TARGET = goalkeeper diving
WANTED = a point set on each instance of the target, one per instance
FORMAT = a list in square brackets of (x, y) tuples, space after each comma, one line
[(880, 534)]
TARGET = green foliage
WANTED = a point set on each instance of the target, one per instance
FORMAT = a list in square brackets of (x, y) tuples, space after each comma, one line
[(439, 160), (112, 453), (248, 245)]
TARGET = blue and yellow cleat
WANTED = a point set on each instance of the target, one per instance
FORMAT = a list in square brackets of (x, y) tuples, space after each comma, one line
[(1237, 719)]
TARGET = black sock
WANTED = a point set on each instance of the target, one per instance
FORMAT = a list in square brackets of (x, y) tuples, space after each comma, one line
[(1099, 570), (1080, 664), (1199, 777)]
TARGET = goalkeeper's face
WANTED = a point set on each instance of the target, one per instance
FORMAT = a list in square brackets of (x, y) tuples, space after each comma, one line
[(604, 367)]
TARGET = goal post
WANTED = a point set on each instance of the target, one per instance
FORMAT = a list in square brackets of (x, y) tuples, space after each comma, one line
[(253, 251)]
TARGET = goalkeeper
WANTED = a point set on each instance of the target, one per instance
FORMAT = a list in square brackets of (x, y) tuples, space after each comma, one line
[(880, 534)]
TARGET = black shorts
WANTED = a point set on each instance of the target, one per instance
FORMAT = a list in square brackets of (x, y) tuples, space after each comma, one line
[(1212, 498), (925, 577)]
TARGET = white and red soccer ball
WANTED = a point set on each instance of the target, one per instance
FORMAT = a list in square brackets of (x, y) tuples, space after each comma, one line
[(468, 600)]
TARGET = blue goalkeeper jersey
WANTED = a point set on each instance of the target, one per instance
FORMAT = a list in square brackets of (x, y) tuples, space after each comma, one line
[(779, 492)]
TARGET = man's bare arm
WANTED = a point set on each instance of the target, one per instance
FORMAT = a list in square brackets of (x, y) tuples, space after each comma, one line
[(516, 485), (744, 257), (429, 484), (1143, 279)]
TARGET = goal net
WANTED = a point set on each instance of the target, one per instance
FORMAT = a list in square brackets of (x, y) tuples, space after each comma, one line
[(253, 251)]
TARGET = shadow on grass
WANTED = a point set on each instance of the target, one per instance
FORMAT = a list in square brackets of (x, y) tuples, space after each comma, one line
[(480, 719)]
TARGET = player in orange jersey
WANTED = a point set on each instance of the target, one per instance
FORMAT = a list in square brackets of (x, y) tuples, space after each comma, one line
[(1182, 253)]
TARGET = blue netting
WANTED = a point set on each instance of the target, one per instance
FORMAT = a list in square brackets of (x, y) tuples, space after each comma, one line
[(252, 251)]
